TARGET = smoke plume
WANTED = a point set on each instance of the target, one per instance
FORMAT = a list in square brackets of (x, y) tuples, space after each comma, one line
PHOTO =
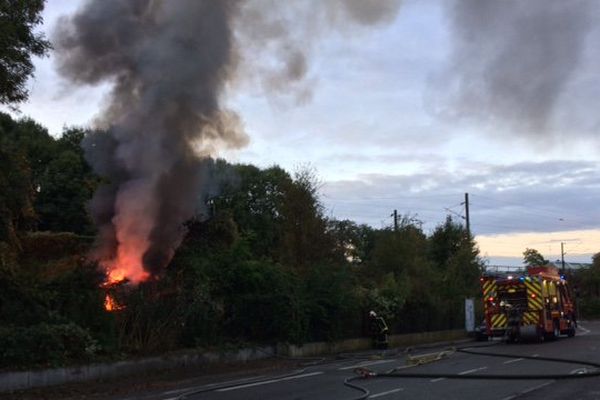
[(512, 60), (168, 63), (275, 39)]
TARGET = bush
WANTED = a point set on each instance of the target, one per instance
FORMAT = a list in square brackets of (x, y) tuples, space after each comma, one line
[(47, 246), (589, 307), (263, 303), (332, 304), (45, 345)]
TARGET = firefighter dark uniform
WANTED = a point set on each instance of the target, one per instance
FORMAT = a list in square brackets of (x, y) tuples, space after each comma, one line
[(378, 330)]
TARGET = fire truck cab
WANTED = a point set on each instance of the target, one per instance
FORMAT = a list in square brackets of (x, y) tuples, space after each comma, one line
[(537, 304)]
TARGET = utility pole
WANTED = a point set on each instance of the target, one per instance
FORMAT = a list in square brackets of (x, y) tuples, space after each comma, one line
[(467, 219), (562, 257), (395, 215)]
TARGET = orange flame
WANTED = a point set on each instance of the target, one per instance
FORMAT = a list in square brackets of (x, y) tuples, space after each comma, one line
[(126, 266), (110, 304), (132, 229)]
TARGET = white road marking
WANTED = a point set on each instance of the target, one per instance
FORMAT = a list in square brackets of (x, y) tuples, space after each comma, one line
[(366, 364), (514, 360), (373, 396), (541, 385), (252, 378), (585, 331), (175, 391), (535, 355), (528, 390), (187, 389), (267, 382), (470, 371)]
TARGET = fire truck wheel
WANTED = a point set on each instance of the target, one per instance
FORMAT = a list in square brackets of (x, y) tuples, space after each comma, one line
[(556, 330), (511, 338), (540, 335)]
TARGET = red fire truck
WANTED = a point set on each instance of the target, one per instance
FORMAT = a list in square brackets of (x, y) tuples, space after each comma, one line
[(537, 304)]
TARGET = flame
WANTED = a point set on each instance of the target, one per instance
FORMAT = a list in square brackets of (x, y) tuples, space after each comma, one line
[(126, 266), (110, 304)]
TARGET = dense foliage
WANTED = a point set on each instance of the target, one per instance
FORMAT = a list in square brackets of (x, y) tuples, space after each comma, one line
[(18, 42), (533, 258), (587, 289)]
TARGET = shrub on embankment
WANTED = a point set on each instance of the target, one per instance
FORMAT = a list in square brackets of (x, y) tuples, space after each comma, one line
[(45, 345)]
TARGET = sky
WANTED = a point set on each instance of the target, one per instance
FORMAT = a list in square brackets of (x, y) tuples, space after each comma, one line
[(435, 100)]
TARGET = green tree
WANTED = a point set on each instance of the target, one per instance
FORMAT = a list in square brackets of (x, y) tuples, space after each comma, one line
[(353, 243), (18, 43), (16, 190), (30, 139), (59, 179), (456, 260), (305, 242), (533, 258), (402, 255), (280, 216), (586, 286), (255, 199), (65, 187)]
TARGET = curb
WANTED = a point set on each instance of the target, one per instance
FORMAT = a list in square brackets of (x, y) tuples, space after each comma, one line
[(22, 380)]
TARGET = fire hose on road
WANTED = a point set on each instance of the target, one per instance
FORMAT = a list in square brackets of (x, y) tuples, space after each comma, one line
[(414, 361), (364, 373)]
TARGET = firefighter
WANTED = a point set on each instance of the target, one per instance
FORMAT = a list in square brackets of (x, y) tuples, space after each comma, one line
[(378, 330)]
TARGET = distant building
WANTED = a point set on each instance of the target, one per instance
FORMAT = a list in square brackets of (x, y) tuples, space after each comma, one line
[(504, 269), (570, 265), (521, 269)]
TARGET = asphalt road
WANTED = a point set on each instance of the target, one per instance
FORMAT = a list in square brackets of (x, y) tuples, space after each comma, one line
[(326, 380)]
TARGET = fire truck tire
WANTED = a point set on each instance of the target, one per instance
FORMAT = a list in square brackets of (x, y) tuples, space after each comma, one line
[(556, 330), (540, 335), (511, 338)]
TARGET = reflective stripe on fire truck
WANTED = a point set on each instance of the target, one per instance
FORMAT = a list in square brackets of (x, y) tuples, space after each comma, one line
[(499, 321), (489, 290), (534, 298), (531, 318)]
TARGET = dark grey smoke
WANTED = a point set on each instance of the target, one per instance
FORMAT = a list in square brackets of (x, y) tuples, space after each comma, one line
[(168, 62), (511, 60), (276, 38)]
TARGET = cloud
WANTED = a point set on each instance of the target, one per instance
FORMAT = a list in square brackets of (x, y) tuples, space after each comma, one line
[(525, 197), (515, 65)]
